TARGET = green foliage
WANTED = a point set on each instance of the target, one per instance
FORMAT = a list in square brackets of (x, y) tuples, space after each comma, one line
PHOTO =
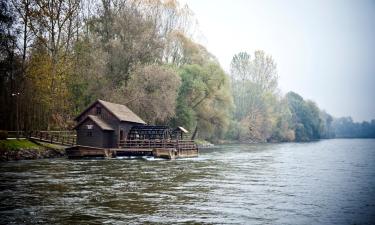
[(17, 144), (151, 93), (204, 100), (282, 130), (141, 54), (236, 131), (185, 116), (3, 134), (261, 114), (345, 127), (305, 117), (254, 83)]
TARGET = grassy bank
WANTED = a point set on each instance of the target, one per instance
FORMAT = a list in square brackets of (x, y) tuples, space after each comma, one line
[(21, 149), (18, 144)]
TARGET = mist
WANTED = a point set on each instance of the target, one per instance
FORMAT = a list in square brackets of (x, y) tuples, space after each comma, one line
[(324, 49)]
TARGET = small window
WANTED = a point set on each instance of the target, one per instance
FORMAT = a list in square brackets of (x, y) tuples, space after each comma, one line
[(89, 134), (98, 110)]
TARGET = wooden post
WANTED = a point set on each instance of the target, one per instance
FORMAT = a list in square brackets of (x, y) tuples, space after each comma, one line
[(178, 147)]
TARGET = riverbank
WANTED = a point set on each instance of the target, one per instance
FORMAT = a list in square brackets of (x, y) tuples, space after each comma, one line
[(23, 149), (204, 144)]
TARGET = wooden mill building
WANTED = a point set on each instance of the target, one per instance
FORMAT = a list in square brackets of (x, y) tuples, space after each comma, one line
[(108, 128), (105, 124)]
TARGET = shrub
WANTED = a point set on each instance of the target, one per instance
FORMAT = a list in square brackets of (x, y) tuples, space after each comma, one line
[(3, 134)]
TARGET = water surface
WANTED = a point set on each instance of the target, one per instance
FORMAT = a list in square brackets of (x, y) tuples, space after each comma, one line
[(324, 182)]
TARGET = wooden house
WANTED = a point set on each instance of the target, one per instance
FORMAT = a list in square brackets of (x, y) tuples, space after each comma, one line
[(106, 129), (105, 124)]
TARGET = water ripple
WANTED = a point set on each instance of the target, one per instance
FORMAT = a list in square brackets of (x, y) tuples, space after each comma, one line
[(325, 182)]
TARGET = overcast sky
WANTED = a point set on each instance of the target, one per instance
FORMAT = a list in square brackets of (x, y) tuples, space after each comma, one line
[(324, 49)]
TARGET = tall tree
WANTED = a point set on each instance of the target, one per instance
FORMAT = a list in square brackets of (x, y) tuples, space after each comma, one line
[(306, 119), (254, 84), (204, 100), (9, 62), (151, 93)]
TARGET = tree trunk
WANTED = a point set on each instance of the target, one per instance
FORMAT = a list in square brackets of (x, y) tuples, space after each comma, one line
[(195, 132)]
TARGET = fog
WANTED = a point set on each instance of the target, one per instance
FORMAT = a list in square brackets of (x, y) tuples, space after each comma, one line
[(325, 50)]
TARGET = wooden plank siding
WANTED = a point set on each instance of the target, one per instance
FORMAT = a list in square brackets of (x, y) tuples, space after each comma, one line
[(109, 118), (95, 136), (100, 138), (104, 114)]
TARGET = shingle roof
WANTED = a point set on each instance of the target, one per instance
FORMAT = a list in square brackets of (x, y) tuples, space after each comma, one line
[(122, 112), (99, 122)]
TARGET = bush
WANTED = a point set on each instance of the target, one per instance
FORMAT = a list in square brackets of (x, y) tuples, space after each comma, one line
[(3, 134)]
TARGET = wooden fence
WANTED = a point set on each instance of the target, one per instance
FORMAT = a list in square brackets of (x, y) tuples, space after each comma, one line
[(55, 137), (159, 143)]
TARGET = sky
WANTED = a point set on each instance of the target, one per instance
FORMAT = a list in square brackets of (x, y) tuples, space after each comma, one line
[(324, 49)]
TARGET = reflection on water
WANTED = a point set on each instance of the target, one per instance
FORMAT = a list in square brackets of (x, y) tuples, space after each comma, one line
[(325, 182)]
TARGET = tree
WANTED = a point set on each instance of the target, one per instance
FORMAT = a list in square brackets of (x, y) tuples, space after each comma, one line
[(282, 129), (254, 83), (240, 73), (264, 72), (326, 129), (151, 93), (305, 117), (9, 62), (240, 67), (345, 127), (204, 100)]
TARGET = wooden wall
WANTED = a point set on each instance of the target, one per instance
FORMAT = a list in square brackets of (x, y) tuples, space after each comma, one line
[(113, 137), (99, 137)]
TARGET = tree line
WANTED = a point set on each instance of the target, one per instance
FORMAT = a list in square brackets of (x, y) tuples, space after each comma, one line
[(58, 56), (345, 127)]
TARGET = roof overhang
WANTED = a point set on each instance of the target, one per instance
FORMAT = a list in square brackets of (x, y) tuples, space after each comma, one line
[(98, 122)]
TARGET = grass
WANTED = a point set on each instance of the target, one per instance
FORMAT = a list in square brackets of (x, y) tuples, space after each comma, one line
[(18, 144)]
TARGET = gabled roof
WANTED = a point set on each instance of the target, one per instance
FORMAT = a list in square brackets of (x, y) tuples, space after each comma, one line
[(99, 122), (121, 112)]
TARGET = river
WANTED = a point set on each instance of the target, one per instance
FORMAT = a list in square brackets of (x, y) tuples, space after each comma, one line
[(323, 182)]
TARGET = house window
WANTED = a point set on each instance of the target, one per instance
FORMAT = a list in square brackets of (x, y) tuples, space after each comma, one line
[(89, 134), (98, 110)]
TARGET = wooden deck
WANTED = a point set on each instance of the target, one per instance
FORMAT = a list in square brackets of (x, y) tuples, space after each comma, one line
[(169, 149)]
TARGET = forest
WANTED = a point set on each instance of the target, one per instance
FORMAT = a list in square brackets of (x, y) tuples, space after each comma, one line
[(58, 56)]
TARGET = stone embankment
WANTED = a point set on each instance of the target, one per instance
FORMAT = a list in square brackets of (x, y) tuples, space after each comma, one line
[(26, 154)]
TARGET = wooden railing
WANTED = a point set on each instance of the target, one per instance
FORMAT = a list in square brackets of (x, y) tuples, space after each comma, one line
[(56, 137), (158, 143), (16, 134)]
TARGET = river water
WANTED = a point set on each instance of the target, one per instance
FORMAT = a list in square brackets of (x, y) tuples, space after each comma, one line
[(324, 182)]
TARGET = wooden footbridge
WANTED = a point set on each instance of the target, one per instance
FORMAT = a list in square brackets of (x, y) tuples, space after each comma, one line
[(65, 138)]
